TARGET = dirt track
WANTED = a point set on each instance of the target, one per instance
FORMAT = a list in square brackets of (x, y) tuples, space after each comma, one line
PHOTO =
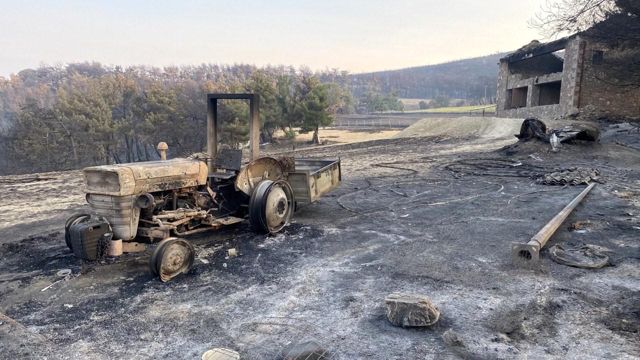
[(399, 222)]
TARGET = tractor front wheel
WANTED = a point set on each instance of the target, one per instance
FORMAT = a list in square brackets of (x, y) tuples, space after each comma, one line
[(73, 220), (172, 257)]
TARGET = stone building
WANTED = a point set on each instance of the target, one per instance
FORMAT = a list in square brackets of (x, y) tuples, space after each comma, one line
[(569, 77)]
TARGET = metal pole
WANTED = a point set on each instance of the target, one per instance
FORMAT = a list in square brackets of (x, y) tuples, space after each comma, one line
[(254, 126), (212, 132), (529, 254)]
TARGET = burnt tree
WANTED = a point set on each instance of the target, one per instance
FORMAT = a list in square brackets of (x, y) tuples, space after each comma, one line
[(615, 23)]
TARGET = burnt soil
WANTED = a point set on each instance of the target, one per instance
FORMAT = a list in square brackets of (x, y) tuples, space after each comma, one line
[(401, 221)]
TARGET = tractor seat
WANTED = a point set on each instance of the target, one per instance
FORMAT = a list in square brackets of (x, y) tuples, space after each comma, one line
[(228, 159), (227, 164)]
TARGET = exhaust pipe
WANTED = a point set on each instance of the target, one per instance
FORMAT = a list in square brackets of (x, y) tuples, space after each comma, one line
[(162, 149)]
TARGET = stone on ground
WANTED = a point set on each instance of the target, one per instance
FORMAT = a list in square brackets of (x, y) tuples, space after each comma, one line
[(220, 354), (452, 339), (408, 310), (308, 350)]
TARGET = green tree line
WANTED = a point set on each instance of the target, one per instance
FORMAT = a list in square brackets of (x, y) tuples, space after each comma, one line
[(68, 117)]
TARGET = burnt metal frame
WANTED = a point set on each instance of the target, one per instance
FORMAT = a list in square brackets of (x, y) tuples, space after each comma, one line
[(542, 49), (212, 124)]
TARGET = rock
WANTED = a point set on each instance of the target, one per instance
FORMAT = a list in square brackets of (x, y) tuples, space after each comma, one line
[(509, 318), (455, 343), (409, 310), (452, 339), (308, 350), (504, 338), (220, 354)]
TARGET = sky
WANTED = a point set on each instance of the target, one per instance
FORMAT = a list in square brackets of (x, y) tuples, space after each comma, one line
[(353, 35)]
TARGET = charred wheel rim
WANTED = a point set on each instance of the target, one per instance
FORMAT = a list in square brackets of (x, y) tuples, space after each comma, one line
[(172, 257), (271, 206)]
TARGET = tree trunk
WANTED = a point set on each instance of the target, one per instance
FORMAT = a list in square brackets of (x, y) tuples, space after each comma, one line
[(128, 145), (107, 155), (75, 151), (48, 166), (138, 152), (73, 142), (116, 157), (146, 152), (315, 139)]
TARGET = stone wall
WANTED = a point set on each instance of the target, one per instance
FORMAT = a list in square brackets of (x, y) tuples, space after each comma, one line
[(545, 112), (569, 78), (587, 90), (501, 95), (599, 95)]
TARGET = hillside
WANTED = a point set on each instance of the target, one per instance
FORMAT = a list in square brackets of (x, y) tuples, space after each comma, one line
[(464, 79)]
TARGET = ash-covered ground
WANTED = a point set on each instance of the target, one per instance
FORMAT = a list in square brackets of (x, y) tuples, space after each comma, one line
[(402, 221)]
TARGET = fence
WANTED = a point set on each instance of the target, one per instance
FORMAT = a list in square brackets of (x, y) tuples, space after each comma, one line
[(400, 120)]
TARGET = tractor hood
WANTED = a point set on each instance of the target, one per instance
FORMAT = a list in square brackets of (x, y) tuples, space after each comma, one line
[(144, 177)]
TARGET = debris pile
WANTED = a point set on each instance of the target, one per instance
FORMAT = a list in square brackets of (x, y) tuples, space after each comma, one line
[(571, 176), (544, 175), (203, 156), (533, 128), (288, 163), (584, 256)]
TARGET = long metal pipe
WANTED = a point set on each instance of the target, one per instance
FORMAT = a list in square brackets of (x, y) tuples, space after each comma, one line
[(526, 254), (550, 228), (212, 132), (254, 126)]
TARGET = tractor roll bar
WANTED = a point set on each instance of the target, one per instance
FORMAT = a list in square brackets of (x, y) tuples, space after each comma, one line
[(212, 124)]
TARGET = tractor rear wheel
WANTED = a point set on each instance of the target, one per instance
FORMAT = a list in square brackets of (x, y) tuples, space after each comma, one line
[(271, 206)]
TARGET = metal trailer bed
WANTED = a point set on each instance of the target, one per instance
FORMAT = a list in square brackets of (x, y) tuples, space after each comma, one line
[(313, 178)]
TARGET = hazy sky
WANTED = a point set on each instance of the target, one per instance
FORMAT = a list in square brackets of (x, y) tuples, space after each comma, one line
[(354, 35)]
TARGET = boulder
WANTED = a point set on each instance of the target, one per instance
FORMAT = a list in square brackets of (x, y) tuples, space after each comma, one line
[(452, 339), (408, 310), (221, 354), (307, 350)]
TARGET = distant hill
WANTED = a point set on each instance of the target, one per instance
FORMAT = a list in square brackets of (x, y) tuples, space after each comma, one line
[(461, 79)]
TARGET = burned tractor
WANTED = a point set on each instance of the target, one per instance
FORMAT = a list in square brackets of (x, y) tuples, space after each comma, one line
[(161, 202)]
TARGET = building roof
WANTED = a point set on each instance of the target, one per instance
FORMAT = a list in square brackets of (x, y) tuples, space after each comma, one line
[(536, 48)]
